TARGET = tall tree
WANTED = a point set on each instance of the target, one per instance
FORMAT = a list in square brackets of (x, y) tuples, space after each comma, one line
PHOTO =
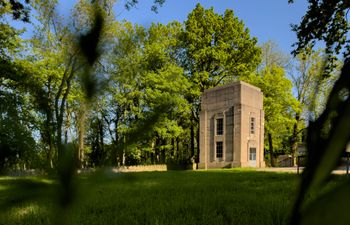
[(279, 105), (324, 21), (273, 58), (16, 140), (272, 55), (311, 89), (328, 135), (216, 49), (56, 62), (146, 91)]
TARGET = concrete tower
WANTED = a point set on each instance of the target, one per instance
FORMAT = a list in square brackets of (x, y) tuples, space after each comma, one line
[(232, 127)]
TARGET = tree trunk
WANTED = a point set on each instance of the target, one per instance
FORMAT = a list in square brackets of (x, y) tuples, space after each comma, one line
[(294, 138), (48, 129), (81, 117), (198, 150), (162, 151), (101, 135), (172, 147), (121, 152), (116, 146), (67, 125), (157, 150), (49, 140), (152, 158), (60, 101), (271, 149), (192, 139), (177, 148)]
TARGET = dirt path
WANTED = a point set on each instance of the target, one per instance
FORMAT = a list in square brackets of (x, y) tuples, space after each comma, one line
[(340, 170)]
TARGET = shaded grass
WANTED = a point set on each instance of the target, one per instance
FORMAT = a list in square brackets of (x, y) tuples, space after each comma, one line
[(182, 197)]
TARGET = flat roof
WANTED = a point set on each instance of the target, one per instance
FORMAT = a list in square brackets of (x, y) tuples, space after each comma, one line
[(236, 83)]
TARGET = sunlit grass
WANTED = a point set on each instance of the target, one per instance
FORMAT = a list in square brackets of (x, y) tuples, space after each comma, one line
[(25, 210), (3, 188), (231, 196)]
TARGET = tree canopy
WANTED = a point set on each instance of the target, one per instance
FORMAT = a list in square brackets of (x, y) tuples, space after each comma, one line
[(327, 136), (118, 93), (324, 21)]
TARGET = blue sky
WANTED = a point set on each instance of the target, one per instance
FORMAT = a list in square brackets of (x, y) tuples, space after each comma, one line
[(266, 19)]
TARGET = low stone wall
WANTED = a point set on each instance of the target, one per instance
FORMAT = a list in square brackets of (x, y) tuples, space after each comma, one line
[(141, 168), (21, 173)]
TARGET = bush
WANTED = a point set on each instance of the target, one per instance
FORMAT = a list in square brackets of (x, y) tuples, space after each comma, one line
[(179, 164)]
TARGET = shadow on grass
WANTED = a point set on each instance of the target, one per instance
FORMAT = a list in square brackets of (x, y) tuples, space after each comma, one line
[(19, 190)]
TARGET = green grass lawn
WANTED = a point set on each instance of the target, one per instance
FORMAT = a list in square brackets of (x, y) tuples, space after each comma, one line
[(180, 197)]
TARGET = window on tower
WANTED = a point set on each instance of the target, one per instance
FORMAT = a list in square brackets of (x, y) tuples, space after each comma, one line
[(220, 126), (219, 149), (252, 125)]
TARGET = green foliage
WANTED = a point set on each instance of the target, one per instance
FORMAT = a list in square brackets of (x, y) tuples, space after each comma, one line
[(312, 89), (324, 21), (326, 141), (328, 135), (155, 76), (17, 146), (148, 86), (156, 4), (18, 9), (271, 55), (149, 111), (279, 105), (320, 210), (218, 48), (214, 49), (143, 91)]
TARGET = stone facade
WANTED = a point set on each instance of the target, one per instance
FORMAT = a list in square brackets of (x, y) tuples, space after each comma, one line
[(232, 127)]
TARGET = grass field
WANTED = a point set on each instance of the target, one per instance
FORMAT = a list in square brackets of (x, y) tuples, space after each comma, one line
[(179, 197)]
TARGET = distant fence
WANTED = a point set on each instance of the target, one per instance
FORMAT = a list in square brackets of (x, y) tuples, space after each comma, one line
[(283, 161)]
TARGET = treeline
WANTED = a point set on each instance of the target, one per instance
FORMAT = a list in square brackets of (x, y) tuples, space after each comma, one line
[(146, 85)]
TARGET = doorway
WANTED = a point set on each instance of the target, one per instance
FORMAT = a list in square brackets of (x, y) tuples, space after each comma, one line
[(252, 157)]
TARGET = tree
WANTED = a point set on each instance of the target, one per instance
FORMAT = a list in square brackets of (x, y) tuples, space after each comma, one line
[(17, 144), (146, 91), (279, 105), (99, 19), (271, 56), (328, 135), (311, 89), (18, 10), (98, 154), (215, 49), (324, 21), (65, 57)]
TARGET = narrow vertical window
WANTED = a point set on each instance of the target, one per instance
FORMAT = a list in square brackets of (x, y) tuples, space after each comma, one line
[(219, 126), (219, 149), (252, 125)]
